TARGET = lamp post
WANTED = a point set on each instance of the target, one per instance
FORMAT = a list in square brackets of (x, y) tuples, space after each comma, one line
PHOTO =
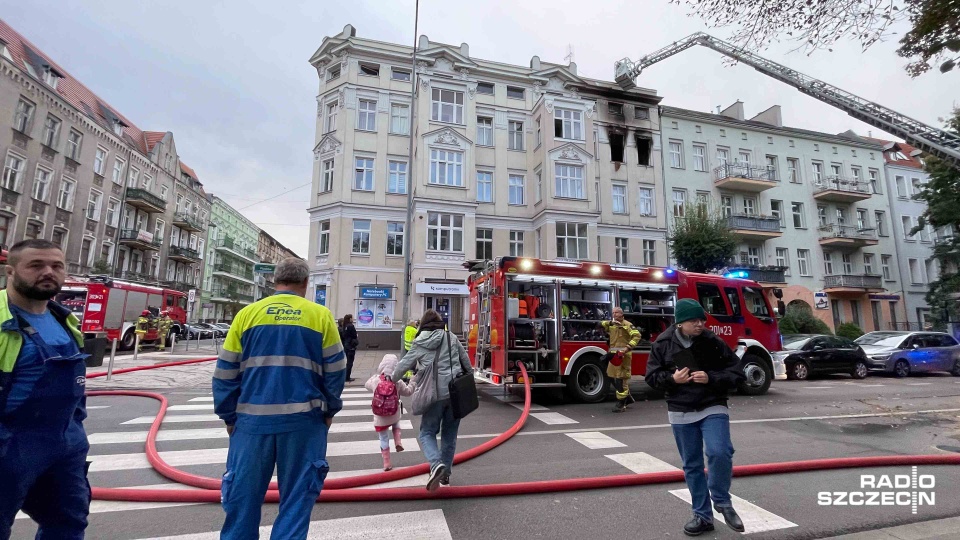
[(407, 228)]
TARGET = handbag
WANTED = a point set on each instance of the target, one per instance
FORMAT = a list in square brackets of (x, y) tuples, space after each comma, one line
[(427, 392), (463, 390)]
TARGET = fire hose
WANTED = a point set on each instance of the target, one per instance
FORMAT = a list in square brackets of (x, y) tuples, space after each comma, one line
[(344, 489)]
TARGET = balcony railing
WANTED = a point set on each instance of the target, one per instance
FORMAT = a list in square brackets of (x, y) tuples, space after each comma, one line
[(234, 270), (232, 294), (187, 222), (140, 277), (184, 252), (144, 238), (754, 223), (744, 170), (143, 198), (234, 246), (178, 285), (853, 281), (834, 230), (762, 274), (836, 183)]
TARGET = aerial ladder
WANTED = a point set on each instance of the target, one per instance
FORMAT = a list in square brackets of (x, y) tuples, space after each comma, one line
[(936, 142)]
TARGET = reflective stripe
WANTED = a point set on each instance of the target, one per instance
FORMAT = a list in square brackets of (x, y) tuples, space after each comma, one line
[(286, 408), (335, 366), (281, 361), (229, 356), (333, 350), (226, 374)]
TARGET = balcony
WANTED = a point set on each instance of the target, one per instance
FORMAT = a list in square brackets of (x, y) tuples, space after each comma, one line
[(183, 254), (234, 271), (764, 275), (852, 284), (842, 236), (146, 201), (178, 285), (229, 296), (229, 245), (753, 227), (841, 190), (186, 222), (743, 177), (138, 277), (139, 240)]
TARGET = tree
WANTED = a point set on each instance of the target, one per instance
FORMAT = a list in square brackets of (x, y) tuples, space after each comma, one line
[(934, 34), (701, 240), (849, 330), (800, 320), (102, 266)]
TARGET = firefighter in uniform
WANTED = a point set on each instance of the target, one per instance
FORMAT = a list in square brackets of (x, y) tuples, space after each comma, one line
[(163, 330), (143, 324), (623, 338), (409, 334)]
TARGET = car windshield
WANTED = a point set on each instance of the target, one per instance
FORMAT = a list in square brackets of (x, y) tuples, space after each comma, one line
[(881, 339), (795, 343)]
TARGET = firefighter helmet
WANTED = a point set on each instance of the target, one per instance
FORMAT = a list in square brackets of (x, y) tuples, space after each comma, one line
[(145, 313)]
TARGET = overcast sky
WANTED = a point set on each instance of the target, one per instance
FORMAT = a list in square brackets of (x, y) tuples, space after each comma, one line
[(232, 82)]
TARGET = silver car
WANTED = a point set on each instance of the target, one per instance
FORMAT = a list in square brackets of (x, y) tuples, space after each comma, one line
[(903, 353)]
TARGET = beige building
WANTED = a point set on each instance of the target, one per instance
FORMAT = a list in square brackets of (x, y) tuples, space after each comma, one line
[(510, 160)]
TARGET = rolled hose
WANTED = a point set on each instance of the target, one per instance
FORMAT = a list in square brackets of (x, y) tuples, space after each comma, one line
[(336, 490)]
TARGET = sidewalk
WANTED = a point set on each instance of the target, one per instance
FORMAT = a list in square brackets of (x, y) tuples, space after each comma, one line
[(938, 529)]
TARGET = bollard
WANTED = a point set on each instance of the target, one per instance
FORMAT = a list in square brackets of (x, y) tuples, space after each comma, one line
[(113, 354), (198, 339), (136, 347), (216, 344), (173, 342)]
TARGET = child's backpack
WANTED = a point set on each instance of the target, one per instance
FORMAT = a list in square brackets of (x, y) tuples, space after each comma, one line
[(386, 400)]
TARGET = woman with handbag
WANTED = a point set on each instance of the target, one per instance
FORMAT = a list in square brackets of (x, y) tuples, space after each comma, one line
[(440, 360), (350, 343)]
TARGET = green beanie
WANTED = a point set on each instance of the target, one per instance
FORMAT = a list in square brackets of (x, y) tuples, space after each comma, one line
[(688, 310)]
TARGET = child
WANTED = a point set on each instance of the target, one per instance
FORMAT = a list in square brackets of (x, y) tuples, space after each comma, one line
[(386, 397)]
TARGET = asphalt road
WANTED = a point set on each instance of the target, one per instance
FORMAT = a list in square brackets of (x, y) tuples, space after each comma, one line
[(823, 418)]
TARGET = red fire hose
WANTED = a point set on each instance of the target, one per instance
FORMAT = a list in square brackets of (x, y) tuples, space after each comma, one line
[(336, 490)]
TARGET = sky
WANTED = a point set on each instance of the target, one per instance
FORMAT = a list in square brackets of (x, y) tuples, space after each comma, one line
[(231, 79)]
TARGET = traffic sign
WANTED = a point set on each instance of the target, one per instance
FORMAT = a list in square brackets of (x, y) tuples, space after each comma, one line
[(192, 295), (264, 268)]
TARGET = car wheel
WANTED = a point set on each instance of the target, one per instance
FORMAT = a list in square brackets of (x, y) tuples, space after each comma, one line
[(759, 374), (956, 368), (588, 382), (901, 368), (128, 341), (800, 371), (859, 370)]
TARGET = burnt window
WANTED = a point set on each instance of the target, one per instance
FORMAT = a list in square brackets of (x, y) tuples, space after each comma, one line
[(615, 109), (644, 149), (641, 113), (617, 142)]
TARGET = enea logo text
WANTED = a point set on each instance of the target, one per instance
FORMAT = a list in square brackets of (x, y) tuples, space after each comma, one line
[(283, 312)]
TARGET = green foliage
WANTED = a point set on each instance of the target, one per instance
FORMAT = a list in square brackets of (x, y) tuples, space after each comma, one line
[(102, 266), (934, 36), (801, 320), (701, 241), (788, 326), (849, 330)]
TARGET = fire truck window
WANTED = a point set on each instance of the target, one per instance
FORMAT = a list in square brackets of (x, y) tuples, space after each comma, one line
[(711, 299), (755, 302), (183, 302), (734, 297), (170, 300)]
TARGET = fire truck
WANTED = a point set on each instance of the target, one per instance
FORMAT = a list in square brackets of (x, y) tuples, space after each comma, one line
[(110, 307), (547, 315)]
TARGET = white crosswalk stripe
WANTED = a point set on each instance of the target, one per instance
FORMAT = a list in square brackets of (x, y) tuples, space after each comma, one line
[(121, 437), (755, 519), (595, 440), (346, 398), (100, 507), (182, 418), (209, 407), (553, 418)]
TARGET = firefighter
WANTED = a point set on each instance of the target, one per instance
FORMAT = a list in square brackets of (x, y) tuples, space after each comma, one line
[(623, 338), (163, 330), (143, 324), (409, 334)]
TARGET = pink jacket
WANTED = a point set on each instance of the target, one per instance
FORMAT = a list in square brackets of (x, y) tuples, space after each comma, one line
[(387, 365)]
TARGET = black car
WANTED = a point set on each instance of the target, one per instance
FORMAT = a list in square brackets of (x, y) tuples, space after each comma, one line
[(810, 354)]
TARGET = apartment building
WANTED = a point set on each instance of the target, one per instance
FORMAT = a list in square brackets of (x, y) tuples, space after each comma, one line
[(79, 173), (269, 250), (811, 208), (228, 279), (529, 160)]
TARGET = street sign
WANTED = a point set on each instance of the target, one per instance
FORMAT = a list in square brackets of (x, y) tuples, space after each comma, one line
[(192, 295), (264, 268)]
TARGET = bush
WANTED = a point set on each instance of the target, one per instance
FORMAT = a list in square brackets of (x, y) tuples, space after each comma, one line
[(849, 330), (788, 326), (801, 320)]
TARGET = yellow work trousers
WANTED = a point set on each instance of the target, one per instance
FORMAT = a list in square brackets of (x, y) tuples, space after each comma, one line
[(621, 372)]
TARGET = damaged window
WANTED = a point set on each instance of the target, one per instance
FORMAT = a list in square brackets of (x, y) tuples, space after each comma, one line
[(644, 149), (617, 142)]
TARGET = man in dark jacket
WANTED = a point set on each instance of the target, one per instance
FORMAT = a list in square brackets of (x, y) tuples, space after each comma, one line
[(696, 369)]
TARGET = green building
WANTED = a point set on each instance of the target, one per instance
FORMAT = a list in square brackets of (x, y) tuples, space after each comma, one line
[(229, 283)]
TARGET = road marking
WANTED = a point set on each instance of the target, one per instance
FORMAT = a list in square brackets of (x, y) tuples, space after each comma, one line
[(553, 418), (755, 519), (413, 481), (209, 407), (209, 399), (533, 406), (642, 462), (864, 385), (214, 418), (815, 387), (919, 384), (202, 398), (356, 389), (595, 440), (207, 456), (92, 407), (100, 507), (123, 437), (418, 525)]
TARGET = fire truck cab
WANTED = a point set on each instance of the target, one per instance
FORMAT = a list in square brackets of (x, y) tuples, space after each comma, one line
[(547, 315)]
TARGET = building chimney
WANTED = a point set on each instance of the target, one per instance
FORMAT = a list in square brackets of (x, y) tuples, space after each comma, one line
[(734, 111), (424, 42), (771, 116), (535, 63), (465, 49)]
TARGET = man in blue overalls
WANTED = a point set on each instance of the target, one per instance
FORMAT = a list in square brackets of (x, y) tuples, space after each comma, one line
[(43, 447)]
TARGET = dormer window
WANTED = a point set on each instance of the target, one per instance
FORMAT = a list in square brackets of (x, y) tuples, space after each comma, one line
[(51, 78), (118, 128)]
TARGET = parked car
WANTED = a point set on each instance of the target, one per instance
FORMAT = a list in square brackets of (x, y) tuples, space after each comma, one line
[(192, 330), (811, 354), (215, 331), (222, 326), (903, 353)]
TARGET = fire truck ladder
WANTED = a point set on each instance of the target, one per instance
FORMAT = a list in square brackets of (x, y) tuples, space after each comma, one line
[(937, 142), (483, 316)]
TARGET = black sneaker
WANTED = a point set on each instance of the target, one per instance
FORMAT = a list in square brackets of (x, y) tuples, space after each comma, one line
[(697, 526), (435, 475), (445, 480)]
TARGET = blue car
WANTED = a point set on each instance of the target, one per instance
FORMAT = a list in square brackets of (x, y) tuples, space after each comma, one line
[(903, 353)]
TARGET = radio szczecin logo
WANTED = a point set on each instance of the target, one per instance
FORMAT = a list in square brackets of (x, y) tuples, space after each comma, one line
[(911, 490)]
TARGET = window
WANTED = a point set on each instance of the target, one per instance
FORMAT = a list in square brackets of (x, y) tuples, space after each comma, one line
[(711, 299), (915, 277), (907, 223), (34, 231), (749, 206), (847, 261), (41, 183), (569, 182), (444, 232), (399, 118), (395, 237), (793, 170), (484, 186), (147, 182), (134, 179), (179, 203), (113, 213), (930, 270), (885, 267), (862, 219), (880, 218), (74, 140), (841, 216), (703, 198), (776, 210), (782, 257), (828, 263), (679, 202), (822, 215), (484, 131), (485, 244), (772, 168), (23, 116), (568, 124), (485, 88), (874, 180), (753, 255), (744, 157), (398, 177), (798, 217), (326, 176), (59, 235), (539, 192), (367, 115), (163, 192), (4, 229), (646, 201), (447, 106), (324, 238), (370, 70), (650, 252), (726, 205), (868, 263), (676, 155), (901, 187), (446, 168), (514, 92), (917, 186), (158, 230), (622, 255), (65, 199), (539, 135), (516, 243), (330, 116), (363, 174), (835, 170), (619, 199), (515, 135), (642, 113), (333, 73), (51, 131), (118, 170), (699, 157), (754, 298), (803, 262), (399, 74), (361, 237), (817, 173), (617, 142), (93, 204), (572, 240), (644, 149), (924, 232), (723, 156), (616, 109), (516, 189)]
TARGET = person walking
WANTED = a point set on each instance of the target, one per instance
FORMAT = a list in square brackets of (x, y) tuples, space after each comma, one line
[(143, 325), (43, 446), (163, 330), (435, 344), (409, 334), (277, 387), (623, 338), (350, 343), (386, 406), (697, 369)]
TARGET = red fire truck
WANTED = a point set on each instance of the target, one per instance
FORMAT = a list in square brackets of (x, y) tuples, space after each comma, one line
[(547, 315), (110, 306)]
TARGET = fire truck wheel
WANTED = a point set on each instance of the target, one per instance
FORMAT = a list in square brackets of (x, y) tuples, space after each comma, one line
[(128, 341), (588, 382), (759, 375)]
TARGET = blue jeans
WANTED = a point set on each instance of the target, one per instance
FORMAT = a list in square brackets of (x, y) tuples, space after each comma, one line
[(712, 434), (439, 419)]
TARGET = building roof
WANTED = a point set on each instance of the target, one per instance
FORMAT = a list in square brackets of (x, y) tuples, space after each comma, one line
[(151, 138), (188, 171), (890, 149)]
